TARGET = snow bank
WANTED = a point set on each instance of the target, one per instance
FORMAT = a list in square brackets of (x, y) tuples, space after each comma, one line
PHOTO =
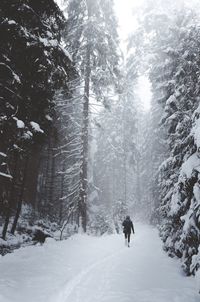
[(198, 281), (195, 266)]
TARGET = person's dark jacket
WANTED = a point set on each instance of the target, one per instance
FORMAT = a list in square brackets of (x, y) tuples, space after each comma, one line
[(128, 226)]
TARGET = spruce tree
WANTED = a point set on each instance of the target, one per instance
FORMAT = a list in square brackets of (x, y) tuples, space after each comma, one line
[(93, 45), (33, 66)]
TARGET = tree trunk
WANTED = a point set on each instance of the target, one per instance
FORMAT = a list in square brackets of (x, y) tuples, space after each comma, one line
[(11, 197), (61, 194), (124, 155), (6, 223), (52, 179), (84, 168), (20, 200), (19, 207)]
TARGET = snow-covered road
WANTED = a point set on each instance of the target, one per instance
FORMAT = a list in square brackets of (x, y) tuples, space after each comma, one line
[(89, 269)]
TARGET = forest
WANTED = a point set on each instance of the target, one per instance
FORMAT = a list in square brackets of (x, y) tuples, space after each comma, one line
[(78, 150)]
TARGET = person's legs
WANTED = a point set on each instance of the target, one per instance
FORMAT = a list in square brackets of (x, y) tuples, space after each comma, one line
[(125, 235), (129, 235)]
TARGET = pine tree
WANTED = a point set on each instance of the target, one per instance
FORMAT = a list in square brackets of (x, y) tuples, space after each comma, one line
[(174, 75), (33, 66), (93, 45), (115, 156)]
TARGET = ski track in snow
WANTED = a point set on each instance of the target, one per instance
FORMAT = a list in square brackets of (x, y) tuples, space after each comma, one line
[(88, 269), (71, 286)]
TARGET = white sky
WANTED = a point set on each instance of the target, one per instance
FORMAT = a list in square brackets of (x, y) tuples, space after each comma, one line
[(124, 10), (127, 24), (144, 91)]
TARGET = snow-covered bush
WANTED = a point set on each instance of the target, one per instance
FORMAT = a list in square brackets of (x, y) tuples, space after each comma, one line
[(101, 223)]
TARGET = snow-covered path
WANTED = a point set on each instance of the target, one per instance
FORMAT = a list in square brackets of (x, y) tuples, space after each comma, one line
[(88, 269)]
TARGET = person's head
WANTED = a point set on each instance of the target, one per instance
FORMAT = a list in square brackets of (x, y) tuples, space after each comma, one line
[(127, 217)]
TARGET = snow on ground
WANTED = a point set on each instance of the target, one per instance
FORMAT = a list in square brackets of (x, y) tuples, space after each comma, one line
[(88, 269)]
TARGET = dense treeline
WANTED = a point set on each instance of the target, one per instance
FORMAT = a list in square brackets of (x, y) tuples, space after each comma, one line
[(179, 173), (76, 149), (115, 159), (34, 65), (51, 66), (94, 47), (170, 38)]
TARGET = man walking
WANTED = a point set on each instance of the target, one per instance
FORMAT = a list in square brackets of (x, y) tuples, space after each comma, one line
[(127, 227)]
